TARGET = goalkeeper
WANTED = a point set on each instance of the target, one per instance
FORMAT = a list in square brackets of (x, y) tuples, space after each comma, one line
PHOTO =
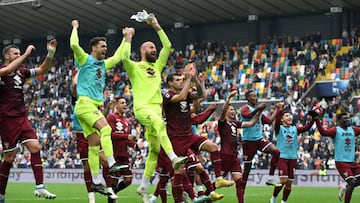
[(145, 78)]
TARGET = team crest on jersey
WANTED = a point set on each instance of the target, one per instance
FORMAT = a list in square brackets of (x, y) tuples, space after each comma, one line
[(18, 82), (167, 95), (183, 106), (98, 73), (288, 139), (150, 72), (347, 141)]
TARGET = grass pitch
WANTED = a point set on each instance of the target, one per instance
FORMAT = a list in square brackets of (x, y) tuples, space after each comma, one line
[(76, 193)]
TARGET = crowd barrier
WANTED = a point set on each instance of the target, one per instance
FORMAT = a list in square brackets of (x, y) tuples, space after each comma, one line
[(256, 178)]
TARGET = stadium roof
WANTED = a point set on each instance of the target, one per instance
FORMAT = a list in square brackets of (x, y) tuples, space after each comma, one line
[(39, 18)]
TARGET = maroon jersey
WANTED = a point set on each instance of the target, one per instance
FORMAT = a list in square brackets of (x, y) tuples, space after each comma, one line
[(11, 91), (178, 116), (120, 133), (228, 134)]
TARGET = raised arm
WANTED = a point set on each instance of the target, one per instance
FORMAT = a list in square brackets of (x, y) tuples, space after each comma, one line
[(331, 132), (306, 127), (271, 118), (226, 105), (79, 54), (254, 120), (200, 84), (203, 116), (182, 96), (17, 62), (278, 116), (116, 58), (44, 67), (125, 47), (166, 44)]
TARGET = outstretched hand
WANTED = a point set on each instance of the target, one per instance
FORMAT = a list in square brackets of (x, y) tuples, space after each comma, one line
[(128, 31), (75, 23), (29, 49), (52, 48), (152, 21), (192, 69), (232, 94), (314, 114), (262, 106), (53, 43)]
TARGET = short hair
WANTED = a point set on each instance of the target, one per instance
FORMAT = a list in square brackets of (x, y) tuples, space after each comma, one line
[(171, 76), (249, 91), (340, 115), (94, 41), (8, 47), (118, 97), (286, 111)]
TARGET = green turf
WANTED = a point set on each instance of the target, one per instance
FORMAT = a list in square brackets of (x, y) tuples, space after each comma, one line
[(76, 193)]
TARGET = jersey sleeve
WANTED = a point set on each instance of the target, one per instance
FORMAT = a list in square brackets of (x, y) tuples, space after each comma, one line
[(167, 97), (79, 54), (277, 121), (125, 53), (331, 132), (165, 51), (116, 58), (245, 112)]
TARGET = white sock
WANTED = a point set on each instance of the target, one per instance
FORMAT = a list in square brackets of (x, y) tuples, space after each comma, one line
[(273, 198), (96, 178), (91, 195), (271, 177), (172, 156), (282, 201), (200, 188), (39, 186), (110, 160), (145, 182), (153, 198), (110, 189)]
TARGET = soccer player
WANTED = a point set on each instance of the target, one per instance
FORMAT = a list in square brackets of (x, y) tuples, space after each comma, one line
[(343, 136), (90, 87), (121, 139), (253, 137), (166, 172), (195, 168), (287, 142), (82, 148), (178, 117), (15, 126), (228, 126), (145, 78)]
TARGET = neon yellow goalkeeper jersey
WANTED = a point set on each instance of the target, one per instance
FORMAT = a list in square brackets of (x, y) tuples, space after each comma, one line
[(145, 77)]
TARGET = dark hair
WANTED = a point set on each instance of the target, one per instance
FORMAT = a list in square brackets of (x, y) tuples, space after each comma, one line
[(171, 76), (8, 47), (94, 41), (118, 97), (340, 115), (249, 91), (285, 111)]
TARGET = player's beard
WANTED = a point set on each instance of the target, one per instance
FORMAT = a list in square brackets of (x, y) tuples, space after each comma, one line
[(150, 58)]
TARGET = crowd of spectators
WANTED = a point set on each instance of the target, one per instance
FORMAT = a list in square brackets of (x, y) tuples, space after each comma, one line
[(279, 65)]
